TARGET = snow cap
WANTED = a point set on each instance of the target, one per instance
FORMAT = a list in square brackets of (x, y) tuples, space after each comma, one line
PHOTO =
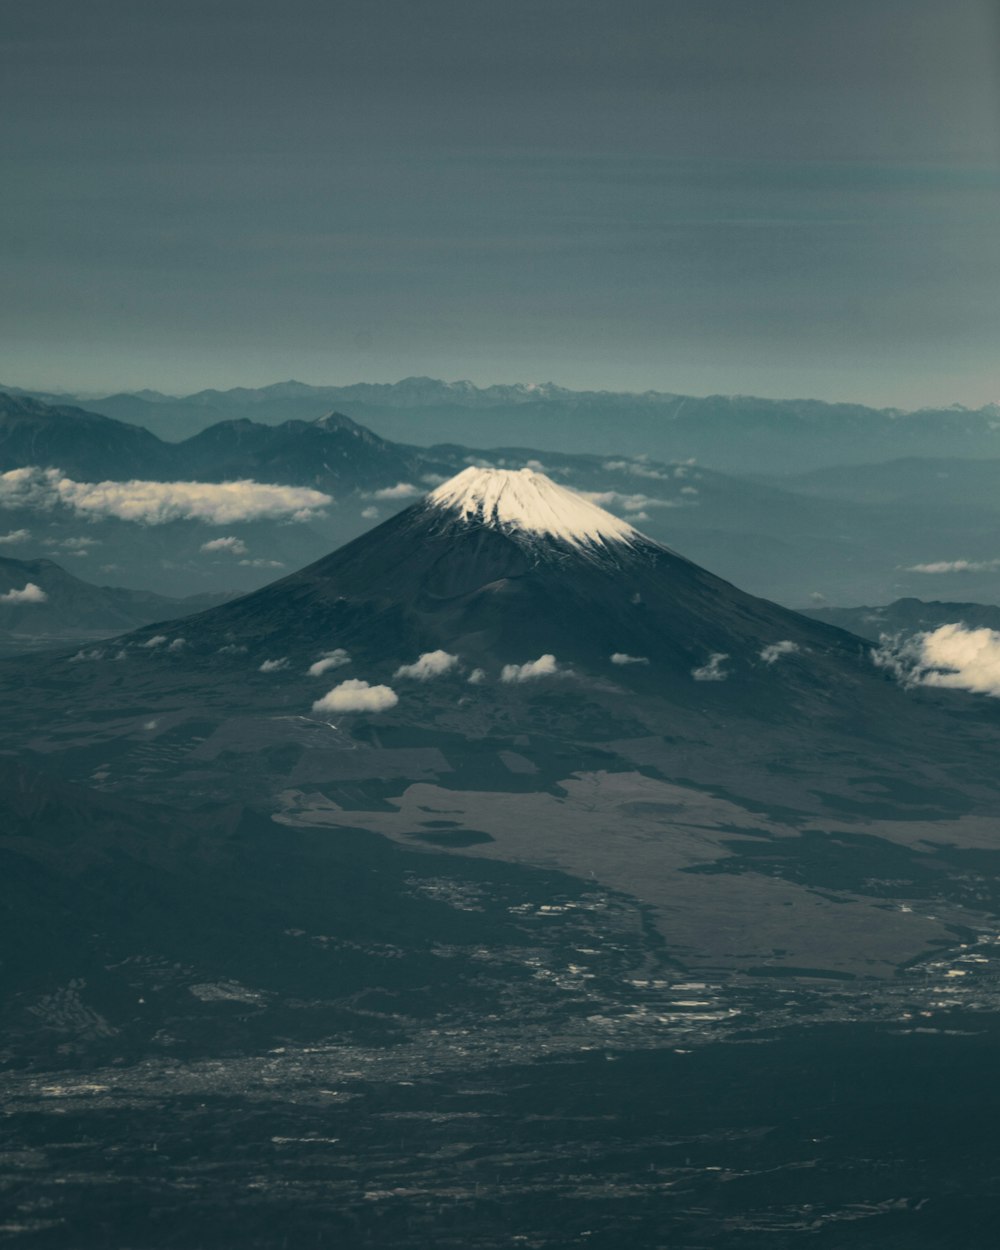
[(526, 501)]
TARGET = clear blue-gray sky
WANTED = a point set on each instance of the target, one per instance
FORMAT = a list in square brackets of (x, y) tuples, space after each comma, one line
[(780, 197)]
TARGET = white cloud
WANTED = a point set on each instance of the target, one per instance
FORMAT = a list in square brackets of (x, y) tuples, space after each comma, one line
[(178, 644), (775, 650), (332, 659), (628, 503), (82, 656), (477, 677), (951, 656), (402, 490), (29, 593), (713, 670), (273, 666), (356, 696), (956, 566), (370, 513), (156, 641), (636, 469), (430, 664), (235, 546), (544, 666), (15, 536), (263, 564), (231, 648), (620, 657), (157, 503)]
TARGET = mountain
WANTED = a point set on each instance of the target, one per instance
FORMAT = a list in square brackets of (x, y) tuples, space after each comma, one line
[(735, 433), (778, 537), (505, 565), (41, 601), (332, 452), (77, 441), (489, 848), (906, 617)]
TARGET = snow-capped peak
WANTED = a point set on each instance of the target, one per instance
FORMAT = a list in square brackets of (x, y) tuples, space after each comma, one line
[(523, 500)]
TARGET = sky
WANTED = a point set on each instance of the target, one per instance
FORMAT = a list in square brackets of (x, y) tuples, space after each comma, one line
[(773, 197)]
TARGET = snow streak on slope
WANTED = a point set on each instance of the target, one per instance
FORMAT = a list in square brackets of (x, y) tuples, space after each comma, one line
[(526, 501)]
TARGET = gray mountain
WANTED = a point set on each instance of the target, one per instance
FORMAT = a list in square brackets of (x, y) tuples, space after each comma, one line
[(905, 617), (731, 433), (40, 600), (81, 443)]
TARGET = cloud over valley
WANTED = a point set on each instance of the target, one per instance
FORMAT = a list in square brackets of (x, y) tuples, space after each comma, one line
[(158, 503)]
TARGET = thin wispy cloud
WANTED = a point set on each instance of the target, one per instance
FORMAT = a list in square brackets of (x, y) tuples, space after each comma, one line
[(234, 546), (773, 652), (158, 503), (274, 666), (713, 670), (623, 658), (15, 536), (955, 566), (402, 490), (331, 660)]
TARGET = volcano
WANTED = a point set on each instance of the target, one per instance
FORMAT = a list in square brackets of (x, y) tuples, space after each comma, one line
[(506, 670), (500, 567)]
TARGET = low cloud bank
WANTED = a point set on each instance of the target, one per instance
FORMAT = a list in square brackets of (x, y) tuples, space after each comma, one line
[(332, 659), (157, 503), (15, 536), (713, 670), (544, 666), (356, 696), (430, 664), (29, 593), (951, 656)]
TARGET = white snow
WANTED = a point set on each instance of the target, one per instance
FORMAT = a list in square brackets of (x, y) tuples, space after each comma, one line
[(522, 499)]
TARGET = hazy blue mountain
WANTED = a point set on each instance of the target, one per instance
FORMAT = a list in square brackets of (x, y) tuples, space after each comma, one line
[(906, 617), (842, 534), (60, 606), (730, 433), (937, 483), (79, 442)]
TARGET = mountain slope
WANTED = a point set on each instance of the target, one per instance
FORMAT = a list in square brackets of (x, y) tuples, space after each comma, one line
[(502, 566), (79, 442), (63, 606)]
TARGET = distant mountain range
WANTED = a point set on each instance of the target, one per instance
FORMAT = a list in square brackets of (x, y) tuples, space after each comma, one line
[(869, 533), (906, 617), (731, 433)]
